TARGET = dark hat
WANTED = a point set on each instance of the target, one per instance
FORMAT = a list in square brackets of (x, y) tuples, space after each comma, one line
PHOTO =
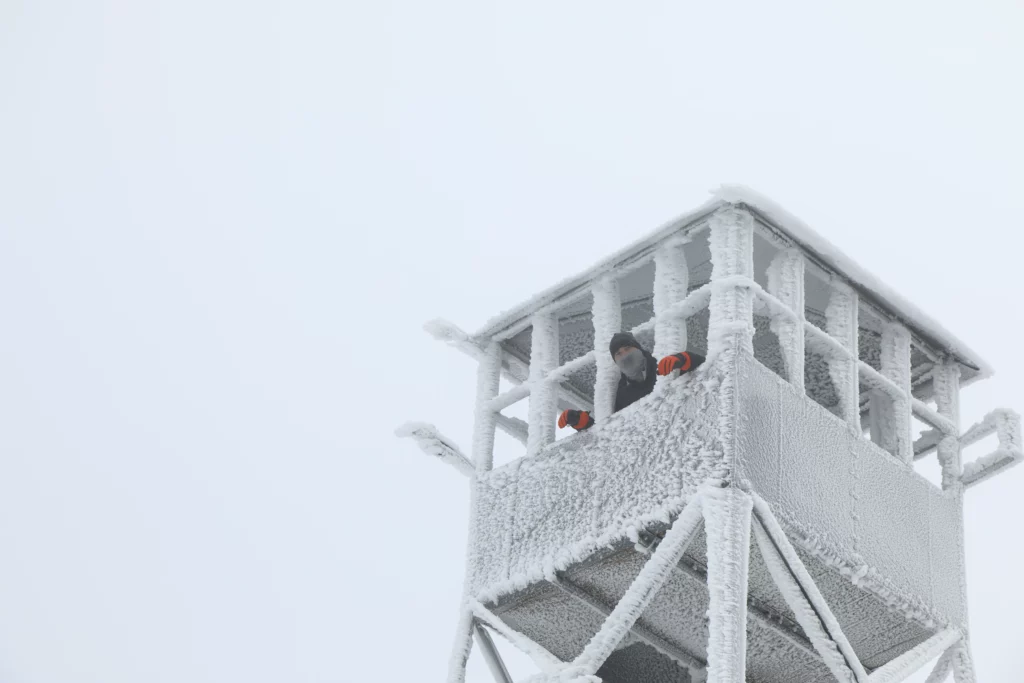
[(620, 339)]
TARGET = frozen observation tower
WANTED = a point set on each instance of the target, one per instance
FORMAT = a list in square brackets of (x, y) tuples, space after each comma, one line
[(759, 519)]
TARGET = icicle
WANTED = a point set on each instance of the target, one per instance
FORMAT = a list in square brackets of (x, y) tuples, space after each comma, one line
[(607, 315)]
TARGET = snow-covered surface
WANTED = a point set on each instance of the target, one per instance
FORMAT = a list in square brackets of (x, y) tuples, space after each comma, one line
[(866, 284), (540, 515)]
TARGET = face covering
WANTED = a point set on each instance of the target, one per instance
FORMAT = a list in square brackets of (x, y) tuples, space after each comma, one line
[(633, 365)]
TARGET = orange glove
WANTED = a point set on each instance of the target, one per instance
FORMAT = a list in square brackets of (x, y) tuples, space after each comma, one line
[(577, 419), (680, 361)]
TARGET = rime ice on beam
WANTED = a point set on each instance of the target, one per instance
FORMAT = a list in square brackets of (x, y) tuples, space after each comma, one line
[(543, 359), (727, 522), (786, 283), (946, 381), (732, 256), (671, 281), (897, 437), (607, 317), (841, 325)]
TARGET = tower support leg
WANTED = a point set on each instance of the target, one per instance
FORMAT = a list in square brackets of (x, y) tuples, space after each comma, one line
[(727, 521), (963, 663), (461, 648), (491, 655)]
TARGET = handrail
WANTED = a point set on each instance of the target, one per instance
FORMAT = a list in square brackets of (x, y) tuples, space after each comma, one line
[(925, 412), (879, 381), (694, 302), (517, 393), (572, 366)]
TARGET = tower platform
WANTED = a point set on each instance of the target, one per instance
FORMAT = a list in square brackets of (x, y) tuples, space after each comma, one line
[(759, 519)]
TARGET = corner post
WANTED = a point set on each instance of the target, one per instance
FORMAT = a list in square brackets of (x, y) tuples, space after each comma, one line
[(488, 378), (897, 437), (946, 380), (543, 360), (786, 283), (607, 316), (727, 523), (841, 325), (671, 281), (732, 303)]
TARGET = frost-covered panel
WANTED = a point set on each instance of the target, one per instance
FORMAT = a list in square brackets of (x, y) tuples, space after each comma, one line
[(946, 557), (544, 513), (551, 512), (815, 471), (759, 435), (650, 455), (855, 506), (641, 662), (490, 533), (893, 510)]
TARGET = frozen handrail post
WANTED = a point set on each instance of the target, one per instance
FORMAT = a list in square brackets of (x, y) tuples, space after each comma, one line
[(746, 492)]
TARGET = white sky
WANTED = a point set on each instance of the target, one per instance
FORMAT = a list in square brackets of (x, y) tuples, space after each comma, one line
[(222, 225)]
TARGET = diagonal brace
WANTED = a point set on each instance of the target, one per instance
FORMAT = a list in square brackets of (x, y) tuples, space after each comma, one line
[(804, 598), (908, 663), (639, 594)]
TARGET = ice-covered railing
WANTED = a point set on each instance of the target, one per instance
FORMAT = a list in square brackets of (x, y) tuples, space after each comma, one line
[(732, 296), (673, 305)]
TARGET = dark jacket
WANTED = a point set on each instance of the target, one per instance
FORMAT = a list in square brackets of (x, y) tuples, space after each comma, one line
[(629, 392)]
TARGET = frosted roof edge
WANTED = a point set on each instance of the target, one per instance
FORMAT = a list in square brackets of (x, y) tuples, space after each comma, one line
[(806, 237)]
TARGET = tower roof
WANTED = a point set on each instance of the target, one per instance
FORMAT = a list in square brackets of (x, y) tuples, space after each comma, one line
[(816, 248)]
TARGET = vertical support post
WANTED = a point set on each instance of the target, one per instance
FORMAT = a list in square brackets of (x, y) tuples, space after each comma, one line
[(879, 409), (732, 304), (671, 281), (543, 359), (727, 523), (897, 436), (488, 378), (946, 382), (963, 663), (841, 325), (786, 283), (607, 316)]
